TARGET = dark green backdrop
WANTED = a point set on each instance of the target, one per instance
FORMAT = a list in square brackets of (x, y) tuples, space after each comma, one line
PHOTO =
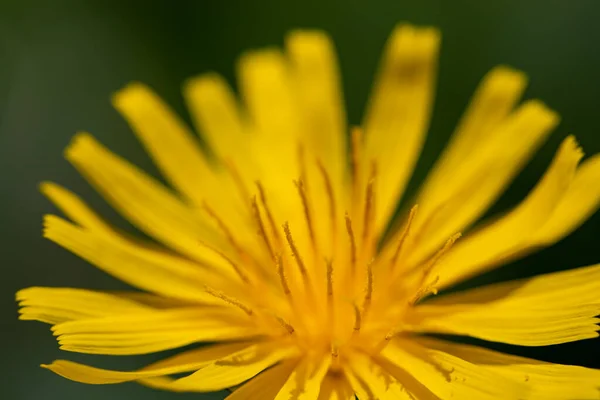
[(60, 60)]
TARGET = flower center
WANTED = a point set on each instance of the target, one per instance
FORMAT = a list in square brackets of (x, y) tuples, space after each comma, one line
[(327, 290)]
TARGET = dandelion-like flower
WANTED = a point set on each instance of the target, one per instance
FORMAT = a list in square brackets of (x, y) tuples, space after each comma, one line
[(276, 244)]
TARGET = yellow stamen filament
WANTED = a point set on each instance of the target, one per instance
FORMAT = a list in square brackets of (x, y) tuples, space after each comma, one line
[(226, 231), (437, 256), (284, 284), (229, 300), (263, 200), (329, 279), (334, 352), (392, 333), (261, 227), (295, 253), (357, 318), (423, 288), (289, 328), (352, 243), (369, 212), (430, 288), (403, 236), (234, 265), (369, 290), (307, 214)]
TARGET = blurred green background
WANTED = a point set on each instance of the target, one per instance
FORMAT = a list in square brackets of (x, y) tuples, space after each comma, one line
[(61, 60)]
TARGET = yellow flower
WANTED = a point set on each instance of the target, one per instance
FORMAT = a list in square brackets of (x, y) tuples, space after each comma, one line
[(277, 247)]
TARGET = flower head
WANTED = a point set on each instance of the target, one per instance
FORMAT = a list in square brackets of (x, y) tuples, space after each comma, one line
[(277, 244)]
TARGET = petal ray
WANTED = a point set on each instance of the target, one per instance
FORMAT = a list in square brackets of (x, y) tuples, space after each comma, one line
[(548, 309), (304, 383), (146, 203), (234, 369), (187, 361), (398, 113), (448, 376), (146, 268), (482, 249), (154, 331), (461, 192), (56, 305), (266, 385), (546, 381)]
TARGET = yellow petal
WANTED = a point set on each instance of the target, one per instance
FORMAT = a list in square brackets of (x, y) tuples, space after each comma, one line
[(56, 305), (167, 140), (494, 99), (151, 300), (215, 112), (317, 84), (148, 332), (149, 269), (336, 387), (574, 208), (548, 309), (545, 381), (74, 208), (578, 204), (266, 385), (146, 203), (398, 113), (172, 146), (448, 376), (461, 192), (187, 361), (266, 88), (304, 383), (497, 240), (233, 369)]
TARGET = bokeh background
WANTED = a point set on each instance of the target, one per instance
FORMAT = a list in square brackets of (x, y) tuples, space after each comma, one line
[(61, 60)]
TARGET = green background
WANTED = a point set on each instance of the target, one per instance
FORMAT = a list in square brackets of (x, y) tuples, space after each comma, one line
[(60, 61)]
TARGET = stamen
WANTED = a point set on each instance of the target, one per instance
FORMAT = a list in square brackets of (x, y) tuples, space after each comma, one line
[(226, 231), (404, 235), (392, 333), (369, 204), (430, 288), (281, 273), (357, 318), (236, 267), (369, 292), (352, 243), (434, 260), (261, 227), (330, 197), (334, 351), (296, 254), (329, 279), (307, 214), (263, 200), (229, 300), (286, 325)]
